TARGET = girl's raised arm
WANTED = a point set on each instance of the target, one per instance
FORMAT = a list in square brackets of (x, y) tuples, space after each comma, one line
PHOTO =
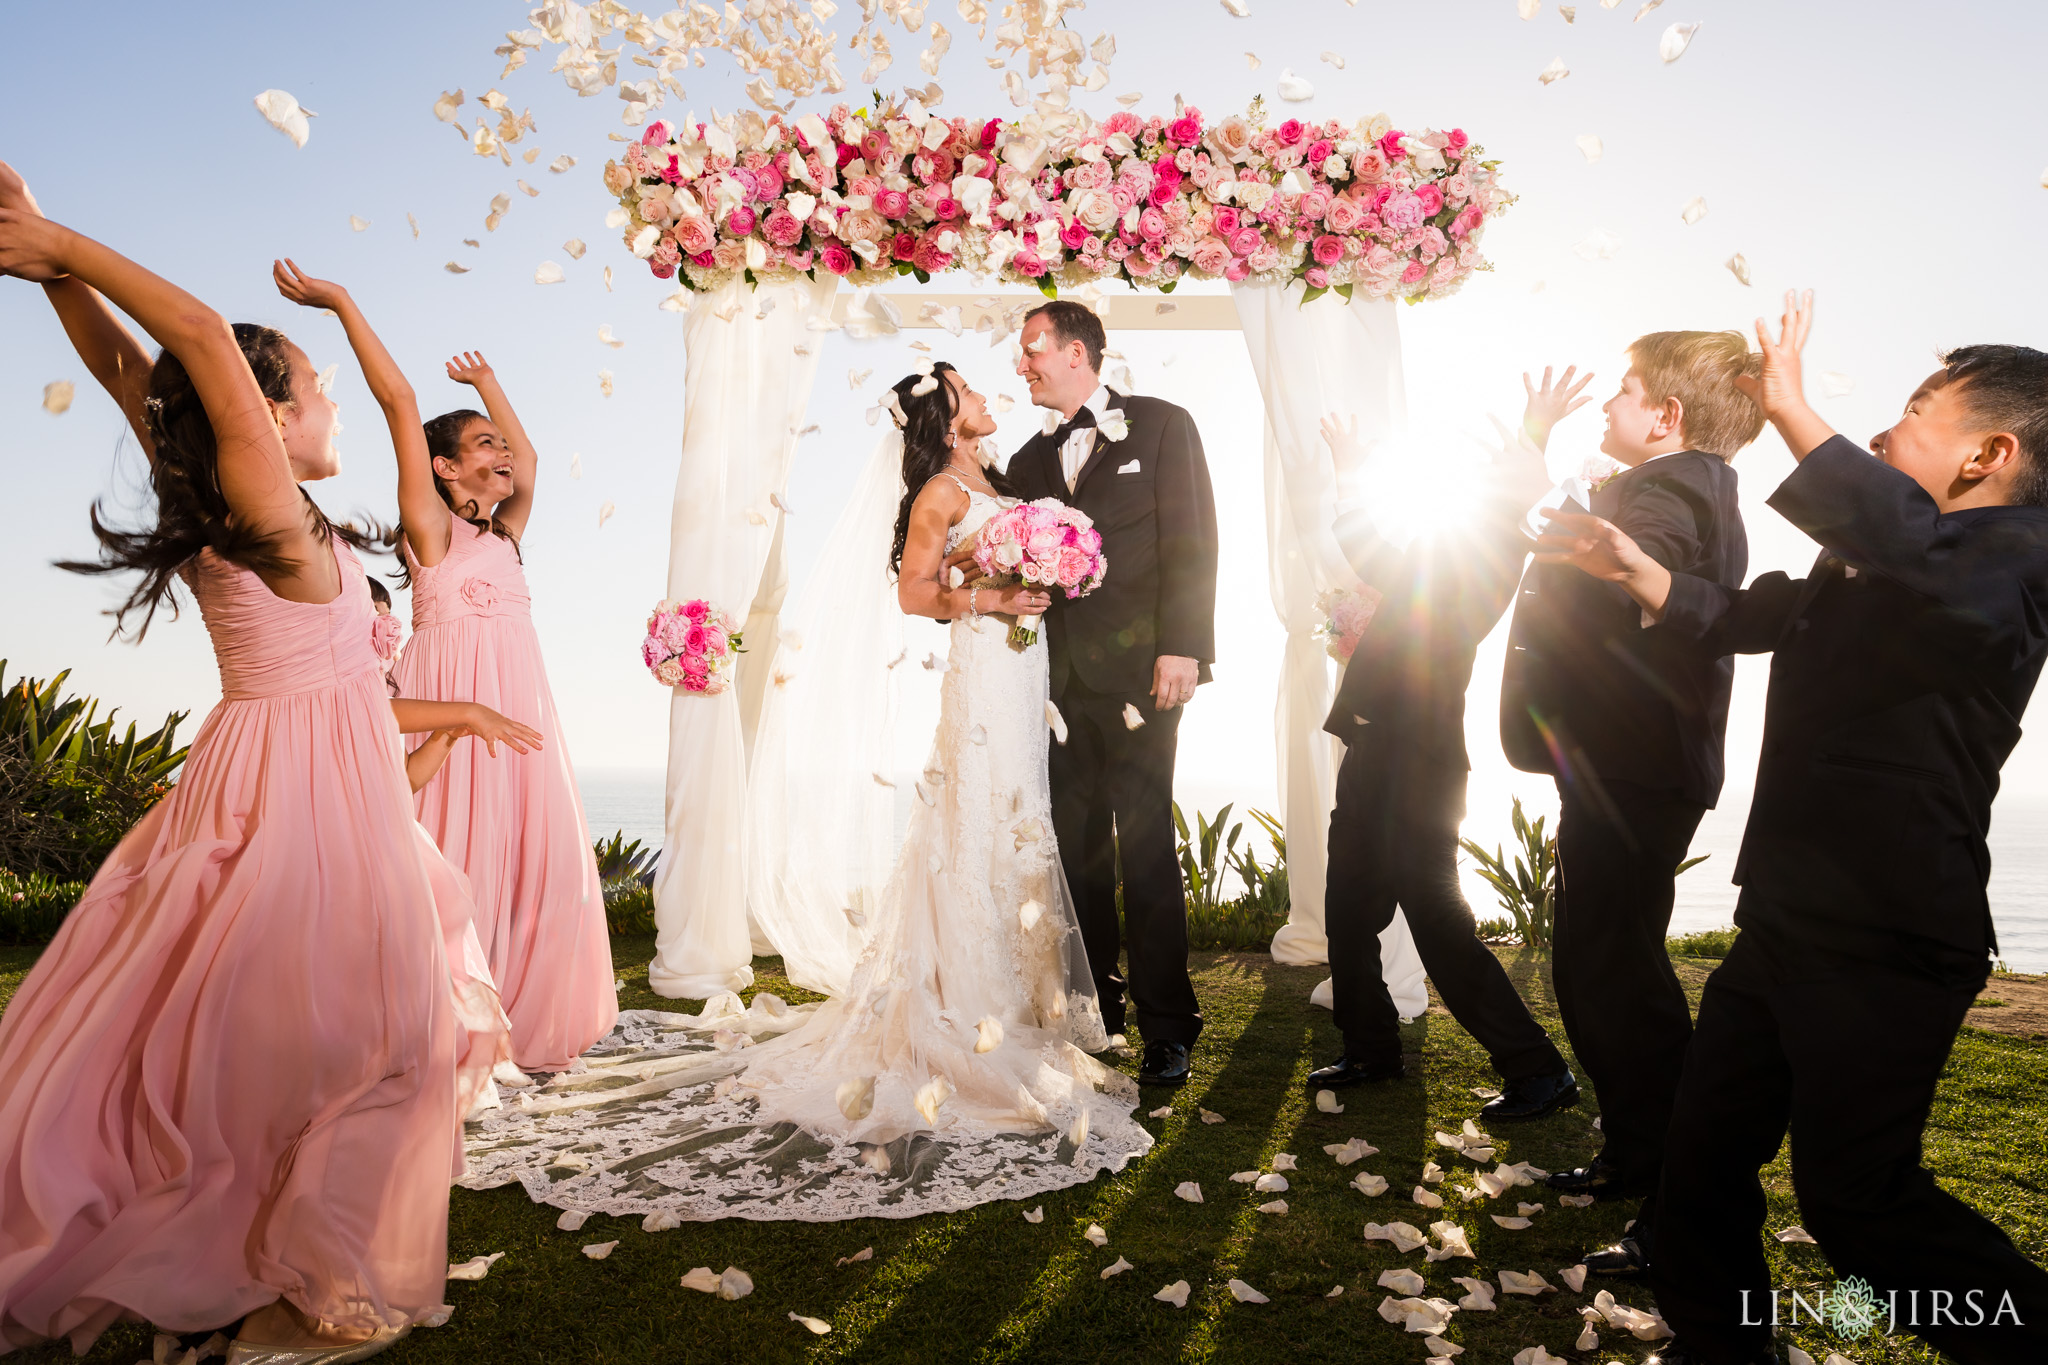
[(420, 509), (472, 369), (255, 475)]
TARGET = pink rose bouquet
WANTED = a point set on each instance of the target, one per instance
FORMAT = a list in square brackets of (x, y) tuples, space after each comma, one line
[(1044, 542), (692, 645), (1346, 614)]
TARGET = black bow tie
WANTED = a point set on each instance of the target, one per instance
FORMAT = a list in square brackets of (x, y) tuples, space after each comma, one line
[(1084, 418)]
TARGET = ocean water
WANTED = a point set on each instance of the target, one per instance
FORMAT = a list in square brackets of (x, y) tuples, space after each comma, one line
[(631, 800)]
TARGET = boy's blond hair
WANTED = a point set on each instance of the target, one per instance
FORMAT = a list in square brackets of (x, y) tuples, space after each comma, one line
[(1699, 370)]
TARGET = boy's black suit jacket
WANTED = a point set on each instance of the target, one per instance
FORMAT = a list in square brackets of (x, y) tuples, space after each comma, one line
[(1903, 663), (1149, 495), (1587, 685)]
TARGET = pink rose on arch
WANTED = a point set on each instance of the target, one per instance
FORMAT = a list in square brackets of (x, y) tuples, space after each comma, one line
[(846, 154), (1163, 193), (1431, 198), (1123, 121), (904, 246), (740, 221), (989, 132), (1390, 144), (1414, 273), (782, 228), (1139, 264), (1073, 234), (1345, 214), (1236, 270), (1319, 152), (1380, 260), (1211, 256), (1328, 250), (1403, 211), (1225, 221), (1317, 277), (1265, 258), (696, 609), (656, 134), (874, 147), (1116, 249), (1316, 203), (695, 639), (928, 257), (946, 209), (1028, 263), (892, 203), (1246, 240), (704, 260), (1455, 142), (1369, 166), (1458, 187), (674, 633), (1291, 132), (480, 593), (1185, 131), (868, 185), (836, 258), (1152, 224)]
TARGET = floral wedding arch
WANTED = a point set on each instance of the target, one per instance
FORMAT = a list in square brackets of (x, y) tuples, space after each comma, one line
[(759, 219)]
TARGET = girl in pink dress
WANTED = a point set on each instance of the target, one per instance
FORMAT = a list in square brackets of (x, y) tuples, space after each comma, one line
[(232, 1086), (515, 826)]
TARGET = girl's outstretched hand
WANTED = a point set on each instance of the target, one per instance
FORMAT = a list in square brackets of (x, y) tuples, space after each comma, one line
[(14, 192), (301, 288), (31, 246), (493, 729), (470, 368)]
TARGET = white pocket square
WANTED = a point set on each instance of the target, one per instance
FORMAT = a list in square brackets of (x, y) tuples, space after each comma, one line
[(1130, 468)]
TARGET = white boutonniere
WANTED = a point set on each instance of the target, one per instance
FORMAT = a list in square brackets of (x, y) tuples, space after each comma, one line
[(1112, 425)]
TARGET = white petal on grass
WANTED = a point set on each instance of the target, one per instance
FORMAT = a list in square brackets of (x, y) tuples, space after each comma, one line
[(1401, 1280), (1274, 1206), (1326, 1102), (1598, 245), (817, 1326), (1036, 1215), (597, 1251), (1478, 1294), (1405, 1236), (1555, 72), (1574, 1277), (1164, 1111), (1417, 1315), (1096, 1235), (1270, 1184), (1116, 1267), (476, 1267), (1432, 1174), (1694, 210), (1210, 1116), (735, 1283), (547, 272), (282, 112), (1293, 88), (1437, 1346), (1528, 1210), (1285, 1161), (1675, 41), (1428, 1199), (1532, 1283), (1188, 1190), (1451, 1243), (1590, 147), (864, 1254), (702, 1280), (57, 396), (1366, 1183), (1243, 1177), (1512, 1224), (1589, 1340), (1738, 266), (1244, 1293), (1175, 1294), (1576, 1201), (1336, 1292), (572, 1219), (1536, 1355), (1795, 1233), (1356, 1149)]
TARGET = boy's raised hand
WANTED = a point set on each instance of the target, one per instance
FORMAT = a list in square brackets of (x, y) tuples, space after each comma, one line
[(1346, 451), (1781, 391), (1552, 403)]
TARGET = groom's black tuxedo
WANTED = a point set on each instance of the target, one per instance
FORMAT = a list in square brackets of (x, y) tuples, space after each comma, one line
[(1112, 785)]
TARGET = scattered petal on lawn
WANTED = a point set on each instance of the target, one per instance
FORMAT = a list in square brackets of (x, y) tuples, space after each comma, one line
[(818, 1326), (1209, 1116), (1432, 1174), (661, 1220), (1326, 1101), (1694, 210), (1738, 266), (735, 1283), (1401, 1280), (1403, 1235), (1036, 1215), (1478, 1297), (475, 1268), (1117, 1267), (1590, 147), (1486, 1092), (864, 1254), (1164, 1111), (1675, 41), (1274, 1206), (1528, 1210), (1189, 1190), (1574, 1278), (1244, 1293), (1284, 1161), (1335, 1293), (1532, 1283), (597, 1251), (1429, 1199), (1437, 1346), (701, 1279), (1244, 1177), (57, 396), (1589, 1340), (1555, 72), (1356, 1149), (1426, 1316), (1576, 1201), (1175, 1294), (1451, 1241), (572, 1220), (1795, 1233), (1536, 1355), (1270, 1184), (1515, 1224), (1368, 1184)]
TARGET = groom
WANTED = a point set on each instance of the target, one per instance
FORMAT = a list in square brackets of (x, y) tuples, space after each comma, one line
[(1124, 660)]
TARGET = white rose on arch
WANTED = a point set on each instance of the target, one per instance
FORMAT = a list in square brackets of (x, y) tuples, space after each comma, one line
[(1094, 209)]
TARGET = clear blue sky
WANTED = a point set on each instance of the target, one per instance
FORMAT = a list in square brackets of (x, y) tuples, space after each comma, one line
[(1888, 155)]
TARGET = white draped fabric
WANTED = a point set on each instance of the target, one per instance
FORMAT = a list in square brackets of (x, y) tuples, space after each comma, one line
[(747, 380), (1327, 356)]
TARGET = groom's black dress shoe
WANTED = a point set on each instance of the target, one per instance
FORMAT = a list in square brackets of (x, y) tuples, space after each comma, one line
[(1348, 1070), (1532, 1097), (1165, 1064), (1602, 1180), (1624, 1258)]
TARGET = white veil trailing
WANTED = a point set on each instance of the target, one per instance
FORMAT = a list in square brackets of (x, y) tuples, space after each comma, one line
[(821, 825)]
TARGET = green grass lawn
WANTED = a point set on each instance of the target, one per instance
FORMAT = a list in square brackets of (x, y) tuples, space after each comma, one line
[(986, 1286)]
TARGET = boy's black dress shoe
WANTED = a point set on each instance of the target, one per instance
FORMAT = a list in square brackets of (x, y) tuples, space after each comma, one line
[(1624, 1258), (1601, 1179), (1165, 1064), (1347, 1070), (1532, 1097)]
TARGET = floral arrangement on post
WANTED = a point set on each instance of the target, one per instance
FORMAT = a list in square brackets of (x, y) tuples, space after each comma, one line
[(1149, 201), (692, 645), (1042, 542), (1346, 614)]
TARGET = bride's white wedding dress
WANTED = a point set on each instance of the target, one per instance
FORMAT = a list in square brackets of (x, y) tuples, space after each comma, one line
[(954, 1069)]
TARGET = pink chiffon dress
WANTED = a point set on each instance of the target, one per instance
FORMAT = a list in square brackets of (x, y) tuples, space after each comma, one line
[(240, 1070), (513, 823)]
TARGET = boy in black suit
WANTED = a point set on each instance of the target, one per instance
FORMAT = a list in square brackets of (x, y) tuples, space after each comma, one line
[(1135, 647), (1631, 726), (1400, 711), (1902, 665)]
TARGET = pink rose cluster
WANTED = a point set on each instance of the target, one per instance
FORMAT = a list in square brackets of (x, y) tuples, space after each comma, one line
[(1044, 542), (692, 645), (869, 194), (1346, 614)]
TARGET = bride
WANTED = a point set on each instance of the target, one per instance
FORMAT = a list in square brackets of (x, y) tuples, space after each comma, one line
[(952, 1064)]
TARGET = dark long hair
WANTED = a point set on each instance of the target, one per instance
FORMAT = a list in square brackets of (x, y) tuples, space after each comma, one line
[(191, 511), (444, 442), (927, 421)]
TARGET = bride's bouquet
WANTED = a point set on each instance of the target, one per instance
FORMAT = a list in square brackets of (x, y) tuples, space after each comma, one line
[(692, 645), (1044, 542), (1346, 614)]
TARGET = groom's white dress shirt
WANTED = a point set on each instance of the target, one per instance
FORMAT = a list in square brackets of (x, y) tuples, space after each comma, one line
[(1081, 440)]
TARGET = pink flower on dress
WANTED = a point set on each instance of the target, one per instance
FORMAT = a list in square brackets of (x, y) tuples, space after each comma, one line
[(480, 593), (385, 633)]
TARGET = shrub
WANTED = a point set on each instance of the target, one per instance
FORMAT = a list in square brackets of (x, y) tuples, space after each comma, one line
[(32, 907), (1705, 943), (1245, 921), (626, 871), (70, 787)]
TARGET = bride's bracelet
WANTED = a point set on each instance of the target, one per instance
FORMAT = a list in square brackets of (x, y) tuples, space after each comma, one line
[(973, 612)]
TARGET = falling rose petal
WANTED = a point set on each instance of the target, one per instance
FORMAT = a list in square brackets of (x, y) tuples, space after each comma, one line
[(574, 246), (476, 1267), (1004, 402), (1293, 88), (471, 241), (604, 334), (1238, 8), (1570, 13), (1648, 5), (988, 1034), (357, 223), (1209, 1116), (1834, 384), (1036, 1215), (1334, 59), (1590, 147), (1694, 210), (1056, 721), (1795, 1233), (1574, 1277), (1175, 1294), (444, 107), (548, 273), (1598, 245), (1675, 41), (856, 1097), (702, 1280), (604, 382), (597, 1251), (604, 513), (1528, 9), (931, 1095), (1132, 720), (57, 396), (1401, 1280), (1252, 60), (1326, 1102), (1132, 100), (1555, 72), (561, 163), (607, 279), (1189, 1190), (1738, 266), (282, 112), (817, 1326), (1244, 1293)]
